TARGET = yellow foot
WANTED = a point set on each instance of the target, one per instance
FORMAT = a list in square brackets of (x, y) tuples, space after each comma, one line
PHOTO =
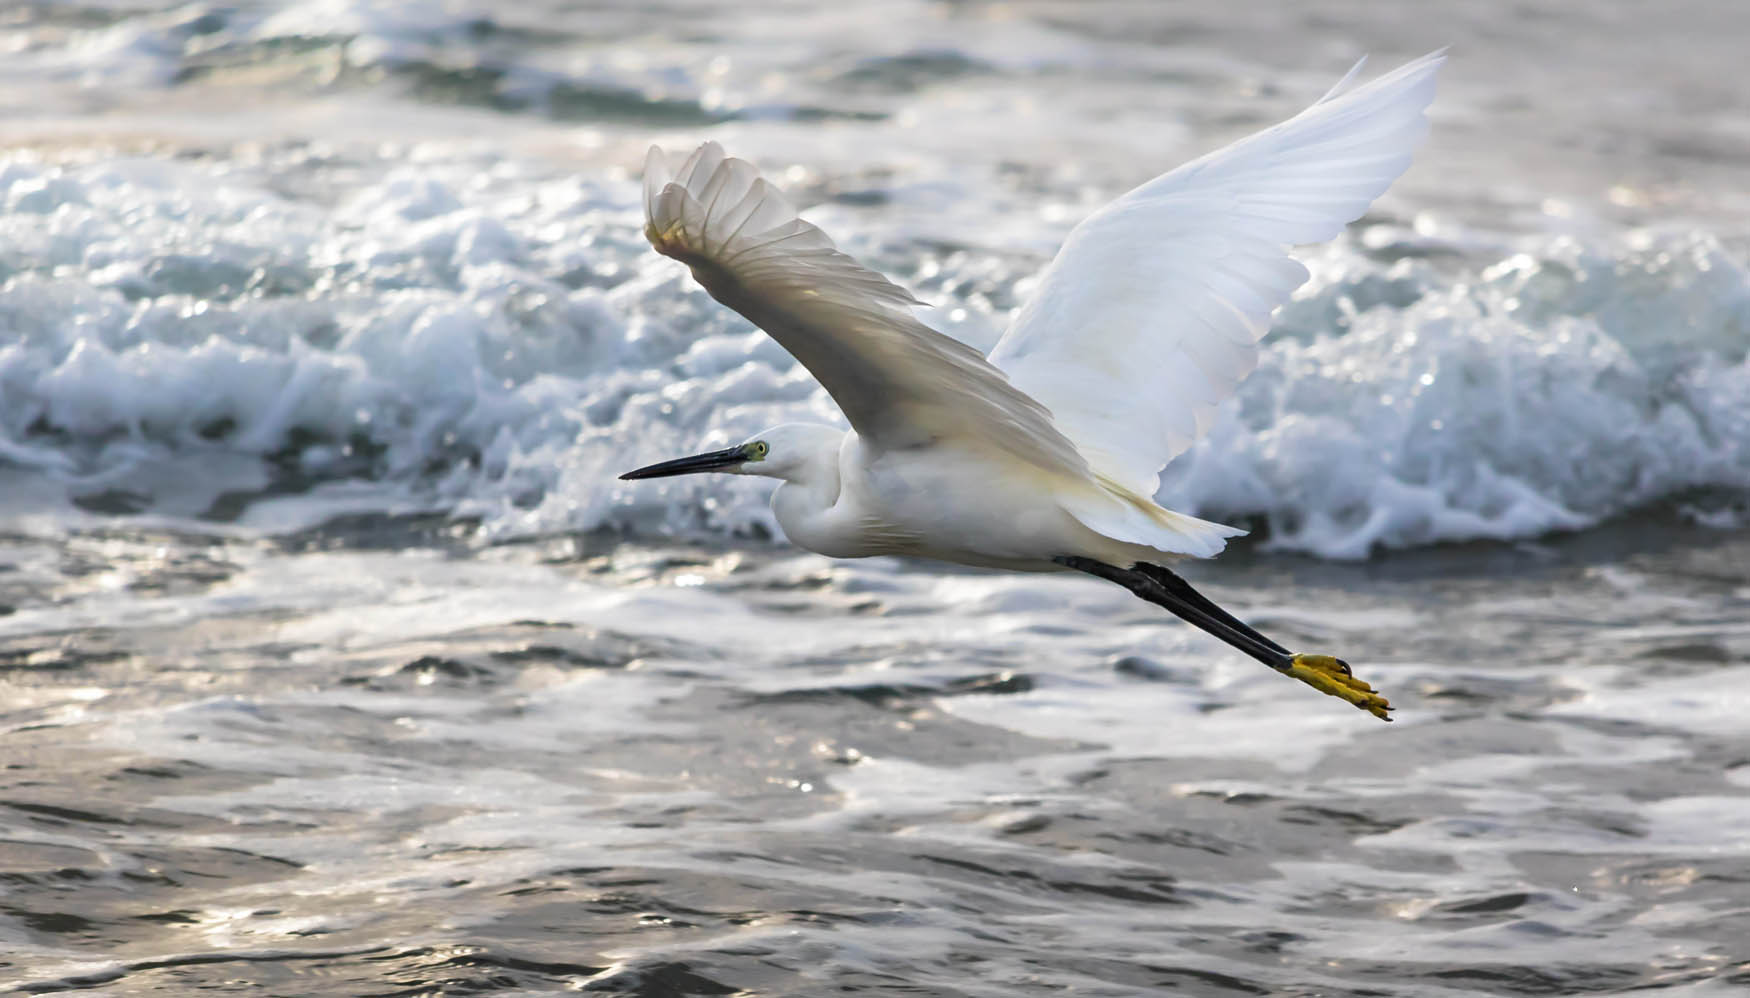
[(1332, 676)]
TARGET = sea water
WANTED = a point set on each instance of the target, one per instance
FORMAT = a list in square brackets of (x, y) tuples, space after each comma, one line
[(338, 661)]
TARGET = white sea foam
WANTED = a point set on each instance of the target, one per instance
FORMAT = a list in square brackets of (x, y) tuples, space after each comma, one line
[(433, 325), (499, 342), (1560, 385)]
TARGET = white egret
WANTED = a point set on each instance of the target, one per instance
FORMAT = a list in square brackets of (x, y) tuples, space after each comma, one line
[(1045, 455)]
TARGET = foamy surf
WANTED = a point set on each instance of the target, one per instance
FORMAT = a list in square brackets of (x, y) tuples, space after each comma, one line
[(499, 342)]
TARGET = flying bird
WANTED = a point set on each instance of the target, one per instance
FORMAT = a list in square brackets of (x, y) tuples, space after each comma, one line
[(1046, 454)]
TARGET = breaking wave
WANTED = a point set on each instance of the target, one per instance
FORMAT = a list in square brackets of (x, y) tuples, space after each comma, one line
[(466, 335)]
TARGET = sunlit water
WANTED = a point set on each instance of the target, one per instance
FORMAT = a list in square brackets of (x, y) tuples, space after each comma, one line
[(335, 661)]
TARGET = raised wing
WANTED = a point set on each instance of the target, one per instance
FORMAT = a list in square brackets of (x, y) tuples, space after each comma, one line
[(1152, 311), (899, 382)]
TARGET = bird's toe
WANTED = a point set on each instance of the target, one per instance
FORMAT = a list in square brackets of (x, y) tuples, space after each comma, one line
[(1333, 676)]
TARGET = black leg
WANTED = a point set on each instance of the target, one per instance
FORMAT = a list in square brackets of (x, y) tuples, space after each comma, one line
[(1171, 582), (1192, 611), (1158, 586)]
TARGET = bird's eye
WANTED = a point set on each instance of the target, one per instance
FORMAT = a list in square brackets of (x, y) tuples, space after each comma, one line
[(759, 450)]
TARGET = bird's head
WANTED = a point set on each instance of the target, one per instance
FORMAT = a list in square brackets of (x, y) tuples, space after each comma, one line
[(792, 452)]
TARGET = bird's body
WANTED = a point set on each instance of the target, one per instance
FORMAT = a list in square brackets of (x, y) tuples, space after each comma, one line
[(853, 501), (1045, 455)]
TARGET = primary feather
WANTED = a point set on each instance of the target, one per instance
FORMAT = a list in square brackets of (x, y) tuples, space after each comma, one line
[(1151, 312), (900, 383)]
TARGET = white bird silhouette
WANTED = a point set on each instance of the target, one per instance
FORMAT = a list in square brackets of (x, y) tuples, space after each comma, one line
[(1046, 454)]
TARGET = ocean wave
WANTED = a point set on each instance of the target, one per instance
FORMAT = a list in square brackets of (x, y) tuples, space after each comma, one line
[(1403, 403), (500, 343)]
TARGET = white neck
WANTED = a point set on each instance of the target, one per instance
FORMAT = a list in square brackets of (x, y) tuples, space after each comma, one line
[(809, 505)]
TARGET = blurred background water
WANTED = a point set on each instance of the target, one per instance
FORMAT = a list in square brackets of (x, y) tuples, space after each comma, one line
[(335, 661)]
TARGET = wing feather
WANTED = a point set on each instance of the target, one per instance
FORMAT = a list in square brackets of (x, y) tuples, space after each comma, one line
[(1151, 313), (899, 382)]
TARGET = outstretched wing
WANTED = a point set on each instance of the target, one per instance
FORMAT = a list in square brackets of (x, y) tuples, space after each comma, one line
[(899, 382), (1152, 310)]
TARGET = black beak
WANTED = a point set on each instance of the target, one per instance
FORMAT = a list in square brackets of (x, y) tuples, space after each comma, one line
[(716, 460)]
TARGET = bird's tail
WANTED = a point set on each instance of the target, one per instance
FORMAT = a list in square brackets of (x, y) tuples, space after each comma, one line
[(1120, 514)]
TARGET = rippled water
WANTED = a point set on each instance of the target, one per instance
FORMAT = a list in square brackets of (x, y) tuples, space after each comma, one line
[(334, 661), (320, 768)]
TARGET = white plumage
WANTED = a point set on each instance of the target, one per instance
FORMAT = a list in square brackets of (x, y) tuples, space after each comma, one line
[(1047, 453), (1151, 313), (899, 382)]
